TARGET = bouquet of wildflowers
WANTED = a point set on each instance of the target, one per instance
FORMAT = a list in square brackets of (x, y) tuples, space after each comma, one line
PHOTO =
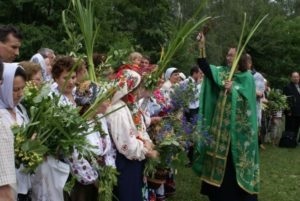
[(167, 143), (174, 132), (276, 102), (29, 153), (183, 94), (106, 181), (171, 137), (31, 91), (53, 129)]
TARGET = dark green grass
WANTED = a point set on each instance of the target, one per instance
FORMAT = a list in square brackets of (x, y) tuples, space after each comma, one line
[(280, 177)]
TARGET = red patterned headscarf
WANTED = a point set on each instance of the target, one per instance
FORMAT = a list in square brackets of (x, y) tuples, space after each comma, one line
[(127, 81)]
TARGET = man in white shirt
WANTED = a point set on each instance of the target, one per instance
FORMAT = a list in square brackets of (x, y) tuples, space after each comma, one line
[(191, 114), (195, 79), (260, 89)]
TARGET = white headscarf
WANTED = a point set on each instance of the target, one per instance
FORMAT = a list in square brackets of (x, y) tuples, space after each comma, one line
[(39, 59), (169, 72), (6, 89), (182, 76)]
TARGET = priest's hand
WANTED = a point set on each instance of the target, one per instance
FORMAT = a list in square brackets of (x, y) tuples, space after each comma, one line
[(228, 85), (201, 40)]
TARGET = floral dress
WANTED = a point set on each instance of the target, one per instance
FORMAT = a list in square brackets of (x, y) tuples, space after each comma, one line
[(101, 146)]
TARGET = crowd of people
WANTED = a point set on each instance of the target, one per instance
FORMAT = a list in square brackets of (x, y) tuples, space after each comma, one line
[(232, 109)]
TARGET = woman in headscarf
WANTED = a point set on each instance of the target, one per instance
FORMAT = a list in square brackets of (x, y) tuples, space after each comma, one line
[(171, 78), (45, 66), (132, 146), (12, 113)]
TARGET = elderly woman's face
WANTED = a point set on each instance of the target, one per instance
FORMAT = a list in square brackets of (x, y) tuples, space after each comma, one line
[(137, 61), (18, 89), (66, 82), (37, 78), (175, 78)]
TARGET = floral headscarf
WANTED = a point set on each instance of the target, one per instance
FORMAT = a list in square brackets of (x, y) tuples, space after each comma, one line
[(86, 93), (127, 81)]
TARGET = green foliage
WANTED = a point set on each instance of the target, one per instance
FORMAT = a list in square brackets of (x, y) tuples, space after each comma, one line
[(141, 22), (38, 36), (242, 43), (74, 41), (175, 43), (107, 181), (277, 55), (69, 185), (151, 167), (146, 26), (118, 55), (273, 48), (83, 14), (276, 102), (39, 21), (29, 153), (58, 127), (183, 94)]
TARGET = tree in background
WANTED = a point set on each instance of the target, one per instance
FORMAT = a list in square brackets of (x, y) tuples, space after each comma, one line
[(40, 21), (275, 47), (147, 25)]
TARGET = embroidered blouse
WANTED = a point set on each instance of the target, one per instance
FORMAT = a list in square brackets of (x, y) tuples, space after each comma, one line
[(124, 132)]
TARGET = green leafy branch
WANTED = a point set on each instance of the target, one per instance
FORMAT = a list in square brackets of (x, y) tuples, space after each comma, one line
[(175, 43), (84, 17)]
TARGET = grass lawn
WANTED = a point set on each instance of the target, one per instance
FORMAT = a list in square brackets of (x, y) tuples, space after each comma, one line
[(280, 177)]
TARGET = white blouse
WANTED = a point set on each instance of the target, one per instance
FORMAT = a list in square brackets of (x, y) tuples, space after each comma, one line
[(23, 179), (63, 100), (124, 132), (51, 176)]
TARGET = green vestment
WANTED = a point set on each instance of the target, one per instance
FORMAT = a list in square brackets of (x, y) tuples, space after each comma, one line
[(233, 128)]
